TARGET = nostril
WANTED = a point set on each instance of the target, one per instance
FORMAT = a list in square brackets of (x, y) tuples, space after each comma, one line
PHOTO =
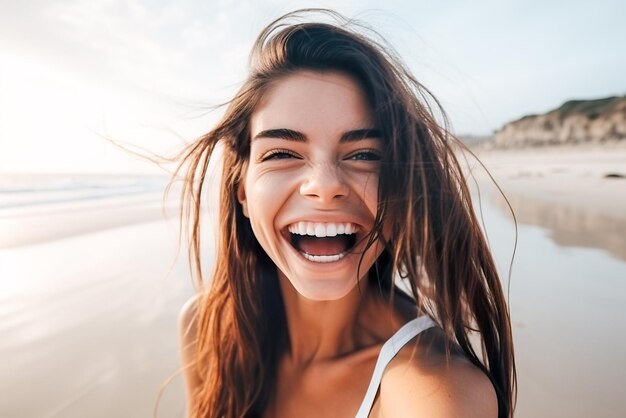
[(325, 183), (325, 192)]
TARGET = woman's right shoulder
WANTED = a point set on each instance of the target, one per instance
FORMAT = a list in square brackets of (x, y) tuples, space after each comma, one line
[(187, 317), (187, 325)]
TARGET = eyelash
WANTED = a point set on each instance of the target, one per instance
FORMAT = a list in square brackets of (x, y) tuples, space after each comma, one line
[(278, 154), (371, 155)]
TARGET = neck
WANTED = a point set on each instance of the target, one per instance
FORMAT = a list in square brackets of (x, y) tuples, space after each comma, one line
[(326, 330)]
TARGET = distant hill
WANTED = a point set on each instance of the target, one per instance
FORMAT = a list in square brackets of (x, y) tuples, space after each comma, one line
[(574, 122)]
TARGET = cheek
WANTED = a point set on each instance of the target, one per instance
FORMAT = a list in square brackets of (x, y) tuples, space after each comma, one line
[(368, 193), (265, 193), (371, 193), (366, 186)]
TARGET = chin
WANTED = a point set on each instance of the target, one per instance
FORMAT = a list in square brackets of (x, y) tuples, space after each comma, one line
[(324, 290)]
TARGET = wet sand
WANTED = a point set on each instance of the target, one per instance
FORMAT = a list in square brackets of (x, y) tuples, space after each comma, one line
[(568, 282), (591, 178), (89, 299), (578, 192)]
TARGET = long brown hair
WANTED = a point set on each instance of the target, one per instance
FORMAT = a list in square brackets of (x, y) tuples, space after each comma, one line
[(436, 244)]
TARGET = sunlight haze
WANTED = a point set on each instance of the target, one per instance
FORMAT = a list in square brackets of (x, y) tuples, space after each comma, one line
[(145, 73)]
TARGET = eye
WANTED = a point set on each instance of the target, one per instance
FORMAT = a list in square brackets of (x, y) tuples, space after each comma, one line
[(278, 154), (365, 155)]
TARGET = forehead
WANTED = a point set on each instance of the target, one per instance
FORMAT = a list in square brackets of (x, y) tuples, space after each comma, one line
[(310, 102)]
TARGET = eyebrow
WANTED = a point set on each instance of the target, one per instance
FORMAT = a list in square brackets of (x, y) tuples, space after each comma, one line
[(291, 135)]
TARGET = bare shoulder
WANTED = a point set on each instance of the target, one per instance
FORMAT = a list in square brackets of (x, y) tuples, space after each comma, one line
[(187, 318), (424, 382), (187, 326)]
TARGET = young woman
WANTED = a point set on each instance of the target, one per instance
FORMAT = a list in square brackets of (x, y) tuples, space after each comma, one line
[(338, 188)]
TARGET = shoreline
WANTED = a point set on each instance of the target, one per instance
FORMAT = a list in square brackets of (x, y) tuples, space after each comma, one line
[(591, 178), (34, 224), (565, 191)]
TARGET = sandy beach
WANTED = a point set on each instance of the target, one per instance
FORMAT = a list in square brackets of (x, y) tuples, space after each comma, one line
[(567, 285), (90, 291), (585, 176), (578, 192)]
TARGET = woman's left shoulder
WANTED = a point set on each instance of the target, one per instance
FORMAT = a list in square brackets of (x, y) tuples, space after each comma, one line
[(422, 381)]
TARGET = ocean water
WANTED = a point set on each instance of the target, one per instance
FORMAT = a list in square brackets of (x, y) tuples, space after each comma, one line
[(38, 208), (27, 190)]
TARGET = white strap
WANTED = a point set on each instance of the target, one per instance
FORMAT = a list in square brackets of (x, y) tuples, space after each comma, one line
[(387, 353)]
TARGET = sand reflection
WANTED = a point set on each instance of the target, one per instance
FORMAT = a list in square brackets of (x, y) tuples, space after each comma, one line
[(569, 226)]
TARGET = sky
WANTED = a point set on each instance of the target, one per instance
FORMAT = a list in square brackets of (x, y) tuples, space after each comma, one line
[(74, 74)]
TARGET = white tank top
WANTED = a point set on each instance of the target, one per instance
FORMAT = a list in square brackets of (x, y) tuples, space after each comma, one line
[(389, 350)]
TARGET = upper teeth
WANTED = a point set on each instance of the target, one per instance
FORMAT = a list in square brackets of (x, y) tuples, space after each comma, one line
[(319, 229)]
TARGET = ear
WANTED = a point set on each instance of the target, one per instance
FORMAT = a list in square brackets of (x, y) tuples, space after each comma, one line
[(241, 196)]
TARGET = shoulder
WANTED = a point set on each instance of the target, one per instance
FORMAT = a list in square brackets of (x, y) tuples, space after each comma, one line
[(187, 326), (187, 316), (423, 381)]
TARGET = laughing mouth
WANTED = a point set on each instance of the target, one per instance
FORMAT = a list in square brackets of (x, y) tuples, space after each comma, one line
[(323, 242)]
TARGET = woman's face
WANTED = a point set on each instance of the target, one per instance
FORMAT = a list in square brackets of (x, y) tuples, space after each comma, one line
[(311, 187)]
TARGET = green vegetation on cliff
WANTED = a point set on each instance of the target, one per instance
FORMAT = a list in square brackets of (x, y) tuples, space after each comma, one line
[(590, 108), (574, 122)]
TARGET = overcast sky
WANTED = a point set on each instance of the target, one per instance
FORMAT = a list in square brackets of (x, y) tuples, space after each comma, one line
[(143, 72)]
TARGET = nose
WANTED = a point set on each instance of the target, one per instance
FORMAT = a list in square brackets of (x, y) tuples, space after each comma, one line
[(324, 183)]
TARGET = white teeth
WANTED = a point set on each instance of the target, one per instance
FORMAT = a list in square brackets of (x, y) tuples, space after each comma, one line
[(324, 258), (320, 230)]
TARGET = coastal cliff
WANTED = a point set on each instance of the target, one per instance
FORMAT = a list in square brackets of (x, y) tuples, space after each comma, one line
[(574, 122)]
